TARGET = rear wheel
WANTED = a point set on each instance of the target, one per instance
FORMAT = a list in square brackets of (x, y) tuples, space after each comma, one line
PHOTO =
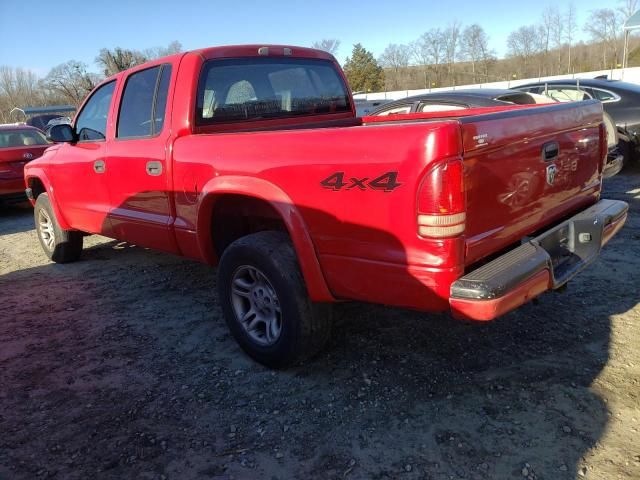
[(265, 301), (59, 245)]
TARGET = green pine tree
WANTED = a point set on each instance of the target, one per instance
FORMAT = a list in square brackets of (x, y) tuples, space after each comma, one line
[(362, 71)]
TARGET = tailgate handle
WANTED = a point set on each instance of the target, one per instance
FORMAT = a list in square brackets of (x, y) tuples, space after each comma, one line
[(550, 151)]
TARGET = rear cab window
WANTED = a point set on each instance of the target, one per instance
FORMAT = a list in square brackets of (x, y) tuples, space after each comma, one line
[(604, 95), (245, 89)]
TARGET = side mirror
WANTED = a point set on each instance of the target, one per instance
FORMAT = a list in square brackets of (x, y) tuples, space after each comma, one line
[(62, 133)]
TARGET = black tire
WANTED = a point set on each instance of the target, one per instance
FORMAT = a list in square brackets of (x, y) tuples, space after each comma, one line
[(304, 326), (61, 246)]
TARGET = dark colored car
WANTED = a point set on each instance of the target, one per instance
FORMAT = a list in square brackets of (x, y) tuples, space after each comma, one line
[(41, 121), (365, 107), (456, 100), (488, 97), (620, 100), (19, 144)]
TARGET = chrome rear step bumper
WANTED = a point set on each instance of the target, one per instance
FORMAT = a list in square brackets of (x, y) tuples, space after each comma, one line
[(547, 261)]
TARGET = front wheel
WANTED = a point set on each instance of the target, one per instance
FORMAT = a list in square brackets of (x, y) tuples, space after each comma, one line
[(265, 301), (59, 245)]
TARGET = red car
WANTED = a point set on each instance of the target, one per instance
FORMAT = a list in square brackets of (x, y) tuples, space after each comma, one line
[(19, 144), (252, 158)]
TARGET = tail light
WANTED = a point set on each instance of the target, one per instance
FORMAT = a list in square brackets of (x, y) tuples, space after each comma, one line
[(441, 201), (604, 145)]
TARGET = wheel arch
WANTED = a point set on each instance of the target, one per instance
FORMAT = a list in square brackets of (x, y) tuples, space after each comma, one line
[(255, 189), (39, 183)]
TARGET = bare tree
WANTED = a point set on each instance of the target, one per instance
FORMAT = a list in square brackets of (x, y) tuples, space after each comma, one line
[(475, 48), (627, 8), (18, 85), (604, 25), (118, 59), (159, 52), (330, 45), (570, 27), (451, 37), (546, 26), (395, 57), (523, 44), (71, 81), (557, 26), (428, 51), (18, 88), (420, 56)]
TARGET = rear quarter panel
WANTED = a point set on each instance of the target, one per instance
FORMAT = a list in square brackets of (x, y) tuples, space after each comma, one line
[(365, 238)]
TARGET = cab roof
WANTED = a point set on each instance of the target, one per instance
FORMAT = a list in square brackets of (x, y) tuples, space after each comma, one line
[(255, 50), (235, 51)]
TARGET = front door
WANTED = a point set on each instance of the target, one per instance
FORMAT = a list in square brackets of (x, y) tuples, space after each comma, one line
[(137, 176), (80, 168)]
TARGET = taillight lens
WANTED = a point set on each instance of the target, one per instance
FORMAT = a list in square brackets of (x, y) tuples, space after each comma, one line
[(441, 201), (604, 145)]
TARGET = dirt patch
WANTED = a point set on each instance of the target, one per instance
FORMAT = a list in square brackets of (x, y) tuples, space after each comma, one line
[(120, 366)]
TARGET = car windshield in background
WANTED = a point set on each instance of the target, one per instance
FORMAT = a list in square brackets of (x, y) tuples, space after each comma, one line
[(21, 138), (265, 88)]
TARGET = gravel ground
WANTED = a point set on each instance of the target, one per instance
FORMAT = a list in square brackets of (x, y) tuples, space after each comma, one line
[(120, 366)]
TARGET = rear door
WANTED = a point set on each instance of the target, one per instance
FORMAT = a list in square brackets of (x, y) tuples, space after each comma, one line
[(138, 171), (80, 168)]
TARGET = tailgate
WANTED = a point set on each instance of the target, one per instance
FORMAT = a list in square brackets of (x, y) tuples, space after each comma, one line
[(527, 168)]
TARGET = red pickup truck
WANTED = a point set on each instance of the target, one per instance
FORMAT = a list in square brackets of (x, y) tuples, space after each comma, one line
[(252, 158)]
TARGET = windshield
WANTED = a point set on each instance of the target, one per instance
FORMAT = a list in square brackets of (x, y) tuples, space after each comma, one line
[(264, 88), (21, 138)]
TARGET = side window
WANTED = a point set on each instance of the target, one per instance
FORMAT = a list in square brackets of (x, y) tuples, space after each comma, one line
[(136, 106), (529, 89), (91, 123), (603, 95), (567, 94), (161, 99), (438, 107), (395, 111)]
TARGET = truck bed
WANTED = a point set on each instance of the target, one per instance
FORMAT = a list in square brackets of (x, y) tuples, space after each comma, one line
[(360, 232), (508, 195)]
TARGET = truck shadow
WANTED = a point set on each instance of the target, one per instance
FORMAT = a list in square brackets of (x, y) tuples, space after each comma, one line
[(115, 362), (16, 218)]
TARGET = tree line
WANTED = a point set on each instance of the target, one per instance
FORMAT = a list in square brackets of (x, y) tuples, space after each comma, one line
[(458, 55), (440, 57), (70, 82)]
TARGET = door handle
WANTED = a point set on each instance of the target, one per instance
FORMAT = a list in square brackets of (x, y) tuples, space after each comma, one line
[(98, 166), (154, 168)]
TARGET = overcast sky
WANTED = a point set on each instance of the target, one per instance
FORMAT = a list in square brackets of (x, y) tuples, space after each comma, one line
[(41, 36)]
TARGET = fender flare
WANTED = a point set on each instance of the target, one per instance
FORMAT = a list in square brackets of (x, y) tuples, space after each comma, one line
[(280, 201), (40, 175)]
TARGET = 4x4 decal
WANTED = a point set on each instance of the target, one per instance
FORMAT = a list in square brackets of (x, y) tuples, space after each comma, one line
[(387, 182)]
